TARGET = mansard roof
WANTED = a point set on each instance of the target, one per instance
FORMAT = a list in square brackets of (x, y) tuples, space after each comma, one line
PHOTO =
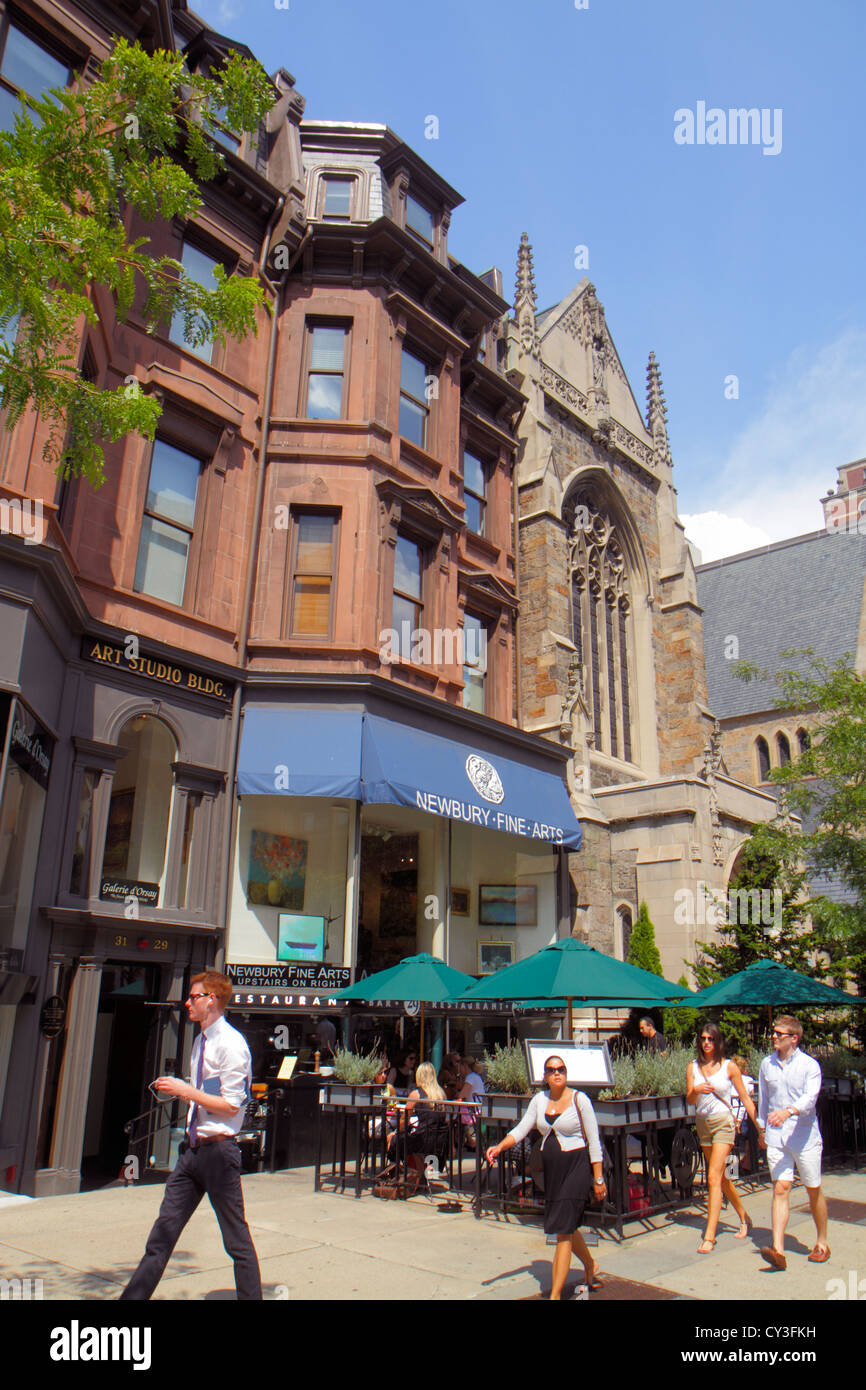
[(798, 593)]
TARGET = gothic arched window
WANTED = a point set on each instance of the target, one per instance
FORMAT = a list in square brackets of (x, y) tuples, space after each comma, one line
[(600, 616), (763, 753)]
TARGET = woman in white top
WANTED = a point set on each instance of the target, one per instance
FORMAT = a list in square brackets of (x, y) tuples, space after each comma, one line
[(569, 1145), (711, 1085)]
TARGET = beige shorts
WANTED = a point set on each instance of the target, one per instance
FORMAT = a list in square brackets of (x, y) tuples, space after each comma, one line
[(715, 1129)]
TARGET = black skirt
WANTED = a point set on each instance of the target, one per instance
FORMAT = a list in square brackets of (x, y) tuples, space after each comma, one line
[(567, 1185)]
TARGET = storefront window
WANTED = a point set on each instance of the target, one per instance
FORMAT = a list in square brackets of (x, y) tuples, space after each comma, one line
[(28, 764), (193, 801), (289, 895), (83, 826), (137, 833), (503, 898), (403, 873)]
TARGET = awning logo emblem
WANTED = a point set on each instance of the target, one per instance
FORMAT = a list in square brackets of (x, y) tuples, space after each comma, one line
[(485, 779)]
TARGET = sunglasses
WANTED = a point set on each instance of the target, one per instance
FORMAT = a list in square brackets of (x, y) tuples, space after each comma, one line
[(199, 996), (777, 1033), (554, 1070)]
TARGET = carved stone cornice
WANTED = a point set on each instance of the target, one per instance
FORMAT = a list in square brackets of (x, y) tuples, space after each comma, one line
[(417, 505), (571, 396), (475, 582)]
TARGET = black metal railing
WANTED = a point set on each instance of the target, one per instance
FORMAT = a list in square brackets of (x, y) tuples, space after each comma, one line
[(373, 1146), (146, 1139)]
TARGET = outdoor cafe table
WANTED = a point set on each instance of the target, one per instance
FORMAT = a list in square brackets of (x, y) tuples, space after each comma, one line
[(361, 1133), (642, 1118)]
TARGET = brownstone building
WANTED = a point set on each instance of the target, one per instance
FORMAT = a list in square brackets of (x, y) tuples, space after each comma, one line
[(304, 591)]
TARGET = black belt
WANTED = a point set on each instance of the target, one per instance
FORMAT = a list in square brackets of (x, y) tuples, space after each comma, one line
[(210, 1139)]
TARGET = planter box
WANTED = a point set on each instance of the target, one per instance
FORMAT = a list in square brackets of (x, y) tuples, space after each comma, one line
[(633, 1110), (839, 1086), (500, 1106), (333, 1093), (636, 1110)]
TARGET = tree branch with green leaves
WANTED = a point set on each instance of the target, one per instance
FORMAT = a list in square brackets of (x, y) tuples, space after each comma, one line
[(76, 170)]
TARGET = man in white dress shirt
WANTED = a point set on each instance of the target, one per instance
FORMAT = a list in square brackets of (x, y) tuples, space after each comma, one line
[(210, 1160), (789, 1083)]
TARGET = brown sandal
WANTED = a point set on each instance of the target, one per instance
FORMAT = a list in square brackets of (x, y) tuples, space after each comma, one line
[(818, 1256), (773, 1257)]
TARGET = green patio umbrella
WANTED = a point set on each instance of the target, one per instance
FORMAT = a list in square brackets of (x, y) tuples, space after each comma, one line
[(768, 982), (570, 970), (423, 977)]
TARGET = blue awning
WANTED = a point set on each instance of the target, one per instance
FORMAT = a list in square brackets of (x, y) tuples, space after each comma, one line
[(347, 753), (450, 777), (300, 752)]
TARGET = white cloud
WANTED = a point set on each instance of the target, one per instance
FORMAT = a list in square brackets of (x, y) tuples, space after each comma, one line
[(813, 421), (219, 11), (716, 534)]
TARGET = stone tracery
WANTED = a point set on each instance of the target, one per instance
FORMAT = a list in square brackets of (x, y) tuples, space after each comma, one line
[(601, 606)]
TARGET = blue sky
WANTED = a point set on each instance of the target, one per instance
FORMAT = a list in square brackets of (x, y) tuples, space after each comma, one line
[(725, 260)]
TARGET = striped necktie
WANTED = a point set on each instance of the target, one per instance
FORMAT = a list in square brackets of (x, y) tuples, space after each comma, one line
[(193, 1123)]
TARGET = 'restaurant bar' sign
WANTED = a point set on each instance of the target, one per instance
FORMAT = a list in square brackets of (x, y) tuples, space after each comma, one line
[(151, 667)]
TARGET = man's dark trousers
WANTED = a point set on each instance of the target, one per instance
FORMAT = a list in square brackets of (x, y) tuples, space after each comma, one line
[(214, 1169)]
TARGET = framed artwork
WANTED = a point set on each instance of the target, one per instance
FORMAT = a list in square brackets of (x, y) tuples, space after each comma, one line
[(119, 831), (300, 937), (460, 902), (586, 1064), (507, 905), (494, 955), (277, 872)]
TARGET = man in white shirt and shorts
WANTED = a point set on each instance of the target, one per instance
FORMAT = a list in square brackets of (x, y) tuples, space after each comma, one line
[(789, 1083)]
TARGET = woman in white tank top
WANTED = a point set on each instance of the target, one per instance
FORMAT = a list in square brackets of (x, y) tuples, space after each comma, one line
[(711, 1083)]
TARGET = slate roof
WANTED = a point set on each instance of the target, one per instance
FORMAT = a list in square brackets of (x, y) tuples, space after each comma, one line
[(804, 592)]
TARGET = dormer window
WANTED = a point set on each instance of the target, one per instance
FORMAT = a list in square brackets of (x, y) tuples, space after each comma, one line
[(336, 198), (419, 220)]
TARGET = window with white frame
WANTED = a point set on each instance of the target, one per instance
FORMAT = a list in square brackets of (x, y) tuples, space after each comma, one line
[(200, 267), (414, 399), (474, 661), (474, 492), (325, 371), (408, 605), (168, 524), (336, 200)]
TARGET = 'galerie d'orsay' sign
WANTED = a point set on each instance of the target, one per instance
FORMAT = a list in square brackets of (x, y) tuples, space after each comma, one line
[(155, 669)]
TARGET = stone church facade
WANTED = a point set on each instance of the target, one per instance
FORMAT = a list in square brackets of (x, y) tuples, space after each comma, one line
[(610, 646)]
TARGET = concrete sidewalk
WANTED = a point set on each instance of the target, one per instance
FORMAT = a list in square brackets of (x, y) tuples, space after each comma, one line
[(325, 1245)]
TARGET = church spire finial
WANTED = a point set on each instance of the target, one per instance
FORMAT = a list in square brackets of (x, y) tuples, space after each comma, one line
[(657, 413), (524, 297)]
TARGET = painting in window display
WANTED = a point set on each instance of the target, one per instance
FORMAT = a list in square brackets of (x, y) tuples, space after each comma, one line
[(278, 871), (119, 832), (494, 955), (508, 905), (300, 937), (460, 898)]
